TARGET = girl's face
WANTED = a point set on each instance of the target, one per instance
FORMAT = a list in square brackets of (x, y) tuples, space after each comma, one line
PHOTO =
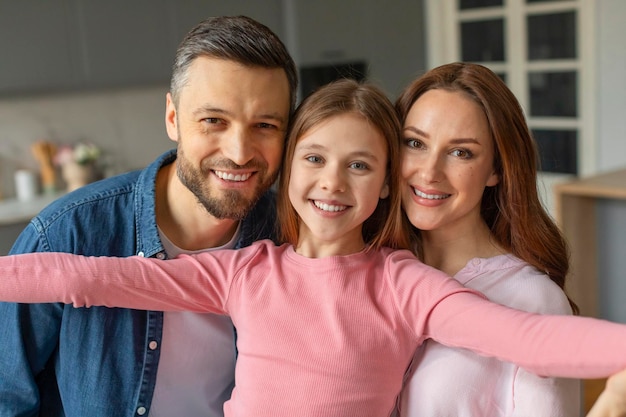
[(447, 161), (337, 177)]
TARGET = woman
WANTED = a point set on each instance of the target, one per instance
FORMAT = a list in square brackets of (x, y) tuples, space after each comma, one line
[(469, 165)]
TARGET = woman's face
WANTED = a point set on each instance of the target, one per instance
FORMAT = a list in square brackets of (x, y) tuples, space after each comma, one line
[(447, 161)]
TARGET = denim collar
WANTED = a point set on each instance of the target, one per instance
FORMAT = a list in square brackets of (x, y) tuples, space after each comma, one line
[(148, 240)]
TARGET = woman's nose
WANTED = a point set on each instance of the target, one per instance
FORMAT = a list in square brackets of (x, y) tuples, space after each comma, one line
[(431, 168)]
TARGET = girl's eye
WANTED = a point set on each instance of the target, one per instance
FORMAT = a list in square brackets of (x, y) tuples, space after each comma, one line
[(414, 143), (462, 153), (314, 158), (359, 165)]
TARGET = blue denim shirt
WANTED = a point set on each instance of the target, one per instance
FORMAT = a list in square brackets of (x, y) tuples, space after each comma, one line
[(56, 360)]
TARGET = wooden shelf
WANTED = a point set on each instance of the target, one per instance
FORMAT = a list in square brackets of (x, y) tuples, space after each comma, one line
[(575, 205)]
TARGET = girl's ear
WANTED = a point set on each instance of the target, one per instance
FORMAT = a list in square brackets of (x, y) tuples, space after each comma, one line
[(384, 192)]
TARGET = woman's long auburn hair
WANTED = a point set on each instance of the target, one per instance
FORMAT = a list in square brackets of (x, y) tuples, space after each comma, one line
[(511, 209), (387, 226)]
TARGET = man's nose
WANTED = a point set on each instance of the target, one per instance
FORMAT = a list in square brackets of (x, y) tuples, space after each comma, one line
[(237, 147)]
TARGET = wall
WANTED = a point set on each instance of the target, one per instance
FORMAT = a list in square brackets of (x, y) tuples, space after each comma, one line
[(128, 124), (611, 154), (389, 36)]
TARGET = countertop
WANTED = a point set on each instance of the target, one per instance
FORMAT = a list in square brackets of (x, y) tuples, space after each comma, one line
[(13, 211)]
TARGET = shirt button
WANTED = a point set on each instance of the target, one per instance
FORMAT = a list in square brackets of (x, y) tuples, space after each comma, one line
[(140, 254), (141, 411), (153, 345), (160, 255)]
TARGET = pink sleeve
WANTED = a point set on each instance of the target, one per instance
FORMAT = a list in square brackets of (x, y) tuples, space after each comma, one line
[(565, 346), (198, 283)]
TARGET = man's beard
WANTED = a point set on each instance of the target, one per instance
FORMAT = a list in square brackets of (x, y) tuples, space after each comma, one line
[(232, 204)]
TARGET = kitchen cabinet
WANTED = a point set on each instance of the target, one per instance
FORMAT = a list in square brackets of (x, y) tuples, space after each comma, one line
[(65, 45), (124, 43), (36, 46)]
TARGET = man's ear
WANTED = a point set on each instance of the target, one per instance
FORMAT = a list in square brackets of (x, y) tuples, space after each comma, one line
[(171, 121), (384, 192)]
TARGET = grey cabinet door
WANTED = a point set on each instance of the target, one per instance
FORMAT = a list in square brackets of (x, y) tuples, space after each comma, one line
[(124, 42), (37, 46)]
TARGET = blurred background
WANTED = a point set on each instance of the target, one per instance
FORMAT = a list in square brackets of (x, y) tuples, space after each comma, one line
[(85, 80)]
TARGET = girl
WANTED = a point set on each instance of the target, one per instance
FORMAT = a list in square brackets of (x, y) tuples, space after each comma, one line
[(328, 322), (469, 167)]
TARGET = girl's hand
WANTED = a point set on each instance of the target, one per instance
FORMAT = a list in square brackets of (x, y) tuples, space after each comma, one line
[(612, 401)]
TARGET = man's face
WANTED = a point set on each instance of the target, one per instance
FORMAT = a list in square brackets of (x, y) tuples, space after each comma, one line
[(230, 125)]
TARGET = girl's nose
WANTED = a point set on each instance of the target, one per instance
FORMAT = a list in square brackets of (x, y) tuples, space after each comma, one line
[(332, 179)]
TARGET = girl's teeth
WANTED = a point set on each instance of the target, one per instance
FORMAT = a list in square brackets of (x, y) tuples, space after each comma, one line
[(328, 207)]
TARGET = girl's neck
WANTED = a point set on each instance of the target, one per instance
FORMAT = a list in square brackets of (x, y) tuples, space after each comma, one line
[(450, 250)]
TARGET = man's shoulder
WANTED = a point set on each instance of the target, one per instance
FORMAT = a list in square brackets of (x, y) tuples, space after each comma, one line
[(91, 197)]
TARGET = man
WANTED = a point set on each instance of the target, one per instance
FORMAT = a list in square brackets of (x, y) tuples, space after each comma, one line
[(233, 89)]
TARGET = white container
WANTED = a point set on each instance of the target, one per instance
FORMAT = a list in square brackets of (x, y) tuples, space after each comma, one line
[(25, 184)]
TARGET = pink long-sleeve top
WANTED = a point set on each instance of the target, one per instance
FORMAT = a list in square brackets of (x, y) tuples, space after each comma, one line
[(322, 337)]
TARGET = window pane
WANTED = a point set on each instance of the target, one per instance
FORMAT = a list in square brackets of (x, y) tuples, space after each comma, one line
[(475, 4), (557, 150), (543, 1), (482, 41), (552, 36), (553, 94)]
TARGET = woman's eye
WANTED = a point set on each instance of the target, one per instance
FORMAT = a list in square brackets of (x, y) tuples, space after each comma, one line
[(413, 143), (462, 153)]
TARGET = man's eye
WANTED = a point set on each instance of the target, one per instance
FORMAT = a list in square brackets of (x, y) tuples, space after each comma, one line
[(267, 126), (211, 120)]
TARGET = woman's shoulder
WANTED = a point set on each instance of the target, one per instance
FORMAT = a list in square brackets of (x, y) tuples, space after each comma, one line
[(511, 281)]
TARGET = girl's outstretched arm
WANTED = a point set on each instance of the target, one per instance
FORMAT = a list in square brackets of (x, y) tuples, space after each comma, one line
[(612, 401), (557, 346), (198, 283)]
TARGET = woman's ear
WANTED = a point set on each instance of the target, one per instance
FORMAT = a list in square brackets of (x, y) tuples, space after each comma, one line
[(493, 179), (384, 192)]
